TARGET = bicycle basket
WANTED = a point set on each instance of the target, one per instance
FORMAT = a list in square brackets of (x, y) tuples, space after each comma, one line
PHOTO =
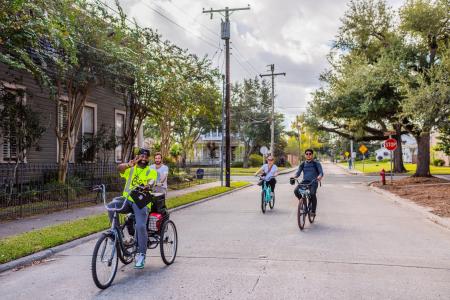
[(154, 221), (158, 203), (141, 198), (304, 191)]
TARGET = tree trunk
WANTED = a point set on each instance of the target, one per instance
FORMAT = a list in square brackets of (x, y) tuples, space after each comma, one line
[(183, 159), (247, 152), (165, 132), (423, 155), (245, 161), (398, 153)]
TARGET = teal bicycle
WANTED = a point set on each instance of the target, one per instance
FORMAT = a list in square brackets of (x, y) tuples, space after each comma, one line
[(267, 197)]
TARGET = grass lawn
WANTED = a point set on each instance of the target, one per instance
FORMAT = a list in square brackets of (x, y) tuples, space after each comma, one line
[(20, 245), (183, 185), (248, 171), (375, 167)]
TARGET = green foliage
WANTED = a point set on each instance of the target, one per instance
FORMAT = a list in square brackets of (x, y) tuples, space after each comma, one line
[(438, 162), (74, 46), (251, 102), (68, 191), (390, 72), (444, 138), (237, 164), (175, 150), (255, 160)]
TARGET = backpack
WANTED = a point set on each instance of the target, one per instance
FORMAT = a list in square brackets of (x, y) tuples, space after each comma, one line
[(316, 166)]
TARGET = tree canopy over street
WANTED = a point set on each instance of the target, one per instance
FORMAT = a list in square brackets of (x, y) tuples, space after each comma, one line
[(389, 71)]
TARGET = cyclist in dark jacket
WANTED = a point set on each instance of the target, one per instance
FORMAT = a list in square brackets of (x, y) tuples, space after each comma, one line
[(312, 173)]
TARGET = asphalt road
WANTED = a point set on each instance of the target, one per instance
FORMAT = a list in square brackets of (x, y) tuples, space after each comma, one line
[(360, 247)]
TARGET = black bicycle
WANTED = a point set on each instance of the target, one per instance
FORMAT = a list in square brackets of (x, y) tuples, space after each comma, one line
[(304, 204), (120, 241)]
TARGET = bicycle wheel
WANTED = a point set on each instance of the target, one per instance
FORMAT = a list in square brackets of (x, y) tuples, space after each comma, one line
[(310, 217), (169, 242), (263, 202), (272, 201), (301, 213), (104, 261)]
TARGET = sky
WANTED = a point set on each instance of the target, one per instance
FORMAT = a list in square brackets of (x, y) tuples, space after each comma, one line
[(295, 35)]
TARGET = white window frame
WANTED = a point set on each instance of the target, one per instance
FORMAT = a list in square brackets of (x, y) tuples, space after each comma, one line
[(118, 112), (94, 106), (13, 86), (72, 156)]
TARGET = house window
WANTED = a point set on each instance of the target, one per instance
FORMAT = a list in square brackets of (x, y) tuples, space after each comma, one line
[(8, 136), (88, 132), (120, 133)]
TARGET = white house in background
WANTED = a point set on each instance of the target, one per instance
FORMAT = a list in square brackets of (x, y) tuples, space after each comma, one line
[(409, 147), (207, 148)]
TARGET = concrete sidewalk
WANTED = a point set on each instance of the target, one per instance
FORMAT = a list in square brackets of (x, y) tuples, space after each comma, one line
[(36, 222)]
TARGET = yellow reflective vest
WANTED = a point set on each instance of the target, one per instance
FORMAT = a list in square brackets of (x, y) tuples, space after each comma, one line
[(136, 176)]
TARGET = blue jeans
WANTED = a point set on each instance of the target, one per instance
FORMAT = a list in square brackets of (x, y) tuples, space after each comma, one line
[(141, 220)]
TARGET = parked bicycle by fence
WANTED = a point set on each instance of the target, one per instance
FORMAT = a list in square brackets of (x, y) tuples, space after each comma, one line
[(120, 241)]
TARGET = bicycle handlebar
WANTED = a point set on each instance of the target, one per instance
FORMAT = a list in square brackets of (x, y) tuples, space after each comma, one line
[(305, 184), (102, 189)]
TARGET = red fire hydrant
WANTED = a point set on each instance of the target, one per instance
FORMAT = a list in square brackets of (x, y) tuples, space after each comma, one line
[(383, 176)]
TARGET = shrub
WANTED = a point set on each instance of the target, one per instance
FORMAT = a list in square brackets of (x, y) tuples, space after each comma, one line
[(58, 191), (255, 160), (238, 164), (438, 162)]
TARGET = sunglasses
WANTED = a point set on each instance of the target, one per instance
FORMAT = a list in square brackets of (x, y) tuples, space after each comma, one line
[(308, 153), (270, 159)]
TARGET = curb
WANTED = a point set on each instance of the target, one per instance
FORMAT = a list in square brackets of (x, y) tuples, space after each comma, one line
[(350, 172), (425, 211), (28, 260)]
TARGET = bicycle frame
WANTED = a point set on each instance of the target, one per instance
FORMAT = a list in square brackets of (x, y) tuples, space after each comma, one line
[(267, 190), (115, 230)]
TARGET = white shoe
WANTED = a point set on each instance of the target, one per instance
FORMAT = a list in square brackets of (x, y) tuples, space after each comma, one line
[(140, 261)]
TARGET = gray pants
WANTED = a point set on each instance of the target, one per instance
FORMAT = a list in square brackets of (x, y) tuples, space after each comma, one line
[(141, 220)]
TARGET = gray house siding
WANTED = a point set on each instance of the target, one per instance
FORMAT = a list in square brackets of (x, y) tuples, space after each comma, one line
[(38, 99)]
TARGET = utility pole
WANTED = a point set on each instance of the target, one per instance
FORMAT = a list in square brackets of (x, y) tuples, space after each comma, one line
[(351, 154), (225, 28), (272, 118), (222, 131)]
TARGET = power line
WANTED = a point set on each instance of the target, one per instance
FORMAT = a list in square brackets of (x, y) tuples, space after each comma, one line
[(200, 37), (244, 59), (242, 66), (194, 19)]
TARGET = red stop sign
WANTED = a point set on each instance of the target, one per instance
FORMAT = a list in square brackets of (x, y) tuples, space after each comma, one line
[(390, 144)]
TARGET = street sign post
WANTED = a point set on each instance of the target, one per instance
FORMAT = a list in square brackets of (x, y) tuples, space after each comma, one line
[(391, 145), (363, 149), (263, 150)]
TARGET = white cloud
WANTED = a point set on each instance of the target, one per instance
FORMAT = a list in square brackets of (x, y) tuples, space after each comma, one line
[(295, 35)]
